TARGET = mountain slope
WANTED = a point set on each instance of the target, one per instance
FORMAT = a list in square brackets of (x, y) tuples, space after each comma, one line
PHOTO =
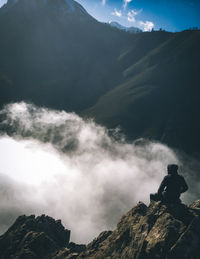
[(54, 54), (159, 96), (49, 54)]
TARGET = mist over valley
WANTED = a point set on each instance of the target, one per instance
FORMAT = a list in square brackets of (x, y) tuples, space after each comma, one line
[(58, 164)]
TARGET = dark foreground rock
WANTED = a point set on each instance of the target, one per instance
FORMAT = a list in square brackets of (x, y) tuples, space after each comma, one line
[(158, 231), (33, 237)]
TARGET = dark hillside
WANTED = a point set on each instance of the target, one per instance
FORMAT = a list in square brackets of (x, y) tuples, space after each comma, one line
[(54, 58), (54, 54), (159, 97)]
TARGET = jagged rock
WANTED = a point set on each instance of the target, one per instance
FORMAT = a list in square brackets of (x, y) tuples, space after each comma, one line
[(75, 248), (195, 205), (33, 238), (72, 251), (159, 231)]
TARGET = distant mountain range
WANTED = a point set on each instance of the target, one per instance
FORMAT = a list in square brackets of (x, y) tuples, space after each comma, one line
[(53, 53), (123, 28)]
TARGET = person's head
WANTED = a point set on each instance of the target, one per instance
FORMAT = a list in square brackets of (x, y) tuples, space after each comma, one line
[(172, 169)]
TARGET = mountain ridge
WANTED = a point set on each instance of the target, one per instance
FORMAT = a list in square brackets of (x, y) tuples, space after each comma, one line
[(127, 29), (159, 230), (71, 5)]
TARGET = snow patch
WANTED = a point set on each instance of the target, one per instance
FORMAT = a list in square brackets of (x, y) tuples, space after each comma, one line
[(123, 28)]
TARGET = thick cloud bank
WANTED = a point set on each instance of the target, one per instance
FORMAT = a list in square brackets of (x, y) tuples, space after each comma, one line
[(58, 164)]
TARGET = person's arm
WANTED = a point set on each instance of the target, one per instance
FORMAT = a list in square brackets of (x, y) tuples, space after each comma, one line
[(184, 186)]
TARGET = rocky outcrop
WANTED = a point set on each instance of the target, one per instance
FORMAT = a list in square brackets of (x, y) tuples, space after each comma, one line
[(159, 231), (33, 237), (163, 231)]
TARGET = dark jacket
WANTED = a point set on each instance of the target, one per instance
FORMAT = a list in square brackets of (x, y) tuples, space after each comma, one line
[(172, 186)]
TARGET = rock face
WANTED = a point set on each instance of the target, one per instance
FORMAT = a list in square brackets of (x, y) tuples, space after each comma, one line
[(158, 231), (31, 237)]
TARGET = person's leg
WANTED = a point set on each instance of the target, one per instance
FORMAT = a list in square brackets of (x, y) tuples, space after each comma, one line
[(170, 197)]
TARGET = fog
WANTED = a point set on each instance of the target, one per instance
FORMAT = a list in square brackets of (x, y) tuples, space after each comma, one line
[(57, 163)]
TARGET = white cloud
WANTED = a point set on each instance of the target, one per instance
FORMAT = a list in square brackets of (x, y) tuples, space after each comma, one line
[(126, 3), (117, 13), (103, 2), (147, 26), (58, 164), (131, 15)]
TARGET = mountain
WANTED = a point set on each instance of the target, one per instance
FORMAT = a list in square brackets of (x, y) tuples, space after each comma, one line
[(64, 6), (54, 54), (123, 28), (159, 95), (158, 231)]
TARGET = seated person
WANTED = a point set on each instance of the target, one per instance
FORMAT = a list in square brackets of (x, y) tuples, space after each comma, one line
[(171, 186)]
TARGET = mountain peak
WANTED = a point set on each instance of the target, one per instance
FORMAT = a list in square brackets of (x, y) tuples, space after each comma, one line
[(68, 6), (68, 2)]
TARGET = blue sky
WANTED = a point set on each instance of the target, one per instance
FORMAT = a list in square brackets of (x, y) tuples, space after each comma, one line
[(171, 15)]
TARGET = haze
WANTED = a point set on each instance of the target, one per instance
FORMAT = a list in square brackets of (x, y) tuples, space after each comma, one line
[(58, 164)]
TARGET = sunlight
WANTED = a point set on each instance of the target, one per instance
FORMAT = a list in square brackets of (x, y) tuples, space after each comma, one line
[(30, 162)]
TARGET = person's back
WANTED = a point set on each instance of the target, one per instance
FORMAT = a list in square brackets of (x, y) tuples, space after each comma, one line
[(172, 186)]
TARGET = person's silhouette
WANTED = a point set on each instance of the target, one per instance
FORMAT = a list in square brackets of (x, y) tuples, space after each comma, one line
[(171, 186)]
